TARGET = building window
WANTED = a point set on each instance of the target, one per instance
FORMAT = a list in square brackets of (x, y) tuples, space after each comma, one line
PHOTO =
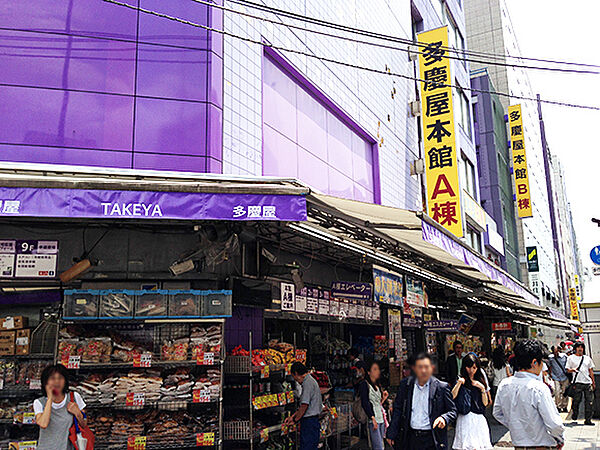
[(464, 110), (455, 38), (473, 238), (468, 176)]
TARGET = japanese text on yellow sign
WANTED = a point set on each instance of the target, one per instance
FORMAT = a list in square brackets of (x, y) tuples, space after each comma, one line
[(573, 303), (443, 194), (519, 160)]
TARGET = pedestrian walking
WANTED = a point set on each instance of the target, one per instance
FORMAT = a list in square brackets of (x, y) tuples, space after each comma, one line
[(372, 397), (454, 362), (472, 396), (584, 383), (357, 369), (311, 405), (557, 366), (423, 409), (524, 404), (500, 367)]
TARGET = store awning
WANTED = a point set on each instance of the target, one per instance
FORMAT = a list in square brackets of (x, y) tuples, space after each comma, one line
[(141, 195), (410, 232)]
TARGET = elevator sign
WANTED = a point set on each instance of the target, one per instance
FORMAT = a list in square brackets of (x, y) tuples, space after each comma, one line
[(28, 258)]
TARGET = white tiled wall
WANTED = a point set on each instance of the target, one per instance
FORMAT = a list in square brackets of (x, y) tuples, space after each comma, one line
[(365, 96)]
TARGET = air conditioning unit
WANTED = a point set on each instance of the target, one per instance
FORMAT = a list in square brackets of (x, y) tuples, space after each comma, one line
[(413, 52), (417, 167), (415, 108)]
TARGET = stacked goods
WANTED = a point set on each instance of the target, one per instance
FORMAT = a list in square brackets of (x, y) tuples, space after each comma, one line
[(97, 350), (177, 386), (125, 350), (175, 349), (148, 383), (205, 339), (211, 382), (116, 304)]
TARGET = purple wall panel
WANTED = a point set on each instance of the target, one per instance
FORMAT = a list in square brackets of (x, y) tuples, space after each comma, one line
[(34, 116), (214, 147), (312, 125), (172, 72), (339, 184), (64, 155), (280, 155), (313, 171), (153, 161), (170, 126)]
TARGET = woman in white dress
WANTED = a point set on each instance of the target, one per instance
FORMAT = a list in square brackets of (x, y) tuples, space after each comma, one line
[(471, 395)]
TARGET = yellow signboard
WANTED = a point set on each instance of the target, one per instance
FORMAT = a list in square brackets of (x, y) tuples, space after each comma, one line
[(441, 164), (519, 160), (573, 303)]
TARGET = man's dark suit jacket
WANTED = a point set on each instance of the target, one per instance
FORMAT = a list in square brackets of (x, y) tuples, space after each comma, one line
[(452, 369), (440, 405)]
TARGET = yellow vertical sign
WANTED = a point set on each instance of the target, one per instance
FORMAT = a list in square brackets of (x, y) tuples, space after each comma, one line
[(573, 303), (441, 163), (519, 160)]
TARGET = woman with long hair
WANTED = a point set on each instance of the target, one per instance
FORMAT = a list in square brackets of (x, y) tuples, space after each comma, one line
[(471, 396), (372, 397), (500, 367)]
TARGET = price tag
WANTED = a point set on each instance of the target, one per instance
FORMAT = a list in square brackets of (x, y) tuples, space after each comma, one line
[(301, 355), (135, 399), (74, 362), (136, 443), (264, 435), (205, 358), (290, 396), (35, 384), (265, 372), (1, 383), (201, 396), (288, 369), (28, 418), (25, 445), (282, 398), (142, 360), (205, 439)]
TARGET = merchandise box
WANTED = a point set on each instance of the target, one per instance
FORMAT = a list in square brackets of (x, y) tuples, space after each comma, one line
[(22, 341), (13, 322)]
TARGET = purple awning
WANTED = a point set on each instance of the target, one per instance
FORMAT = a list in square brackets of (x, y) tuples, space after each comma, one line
[(111, 204)]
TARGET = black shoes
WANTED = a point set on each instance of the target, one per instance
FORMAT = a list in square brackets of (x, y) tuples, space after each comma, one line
[(588, 422)]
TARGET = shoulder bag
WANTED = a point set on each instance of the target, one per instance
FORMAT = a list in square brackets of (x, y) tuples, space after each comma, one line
[(82, 438), (570, 391)]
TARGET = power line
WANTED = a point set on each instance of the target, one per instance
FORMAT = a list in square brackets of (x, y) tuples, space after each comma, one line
[(343, 63), (396, 38), (458, 53)]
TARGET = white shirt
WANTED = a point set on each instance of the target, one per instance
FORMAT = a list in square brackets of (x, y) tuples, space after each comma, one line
[(525, 406), (499, 375), (583, 376), (419, 418), (38, 408)]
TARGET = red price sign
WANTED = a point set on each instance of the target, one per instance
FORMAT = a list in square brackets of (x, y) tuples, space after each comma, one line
[(301, 355), (264, 435), (205, 358), (201, 396), (71, 361), (136, 443), (142, 360), (135, 399), (205, 439), (265, 372)]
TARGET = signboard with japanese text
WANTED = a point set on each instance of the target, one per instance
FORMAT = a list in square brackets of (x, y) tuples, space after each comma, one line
[(28, 258), (533, 264), (519, 161), (387, 287), (465, 323), (577, 288), (441, 164), (415, 292), (288, 296), (501, 326), (449, 325), (352, 290), (573, 304)]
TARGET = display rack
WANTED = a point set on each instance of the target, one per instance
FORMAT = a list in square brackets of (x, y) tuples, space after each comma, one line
[(148, 383)]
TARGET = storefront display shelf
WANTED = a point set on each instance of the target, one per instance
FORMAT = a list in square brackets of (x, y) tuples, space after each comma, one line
[(18, 391), (168, 405), (157, 443), (154, 363)]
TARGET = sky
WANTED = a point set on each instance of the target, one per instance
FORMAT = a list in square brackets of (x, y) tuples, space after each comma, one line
[(568, 31)]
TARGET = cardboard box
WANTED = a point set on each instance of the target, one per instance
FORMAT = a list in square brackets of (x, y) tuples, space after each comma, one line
[(22, 341), (7, 343), (13, 323)]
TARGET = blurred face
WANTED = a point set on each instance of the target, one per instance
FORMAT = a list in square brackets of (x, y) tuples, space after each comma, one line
[(423, 370), (458, 350), (298, 378), (57, 383), (471, 370), (375, 372), (579, 351)]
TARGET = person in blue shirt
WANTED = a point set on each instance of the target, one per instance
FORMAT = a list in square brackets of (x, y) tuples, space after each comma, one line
[(557, 363), (471, 395)]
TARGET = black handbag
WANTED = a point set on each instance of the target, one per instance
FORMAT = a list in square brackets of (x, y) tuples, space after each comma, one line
[(570, 391)]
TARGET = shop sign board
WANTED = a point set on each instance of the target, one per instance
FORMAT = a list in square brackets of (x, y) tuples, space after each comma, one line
[(352, 290), (412, 316), (415, 292), (103, 204), (388, 287), (449, 325), (573, 303), (465, 323), (577, 287), (533, 264), (28, 258), (519, 161), (502, 326), (591, 327), (288, 296), (441, 163)]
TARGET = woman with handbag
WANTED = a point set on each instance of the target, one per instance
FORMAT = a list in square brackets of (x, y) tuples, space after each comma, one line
[(372, 397), (57, 411)]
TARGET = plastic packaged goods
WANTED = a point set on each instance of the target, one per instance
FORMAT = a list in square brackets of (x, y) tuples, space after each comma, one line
[(185, 303), (116, 304), (151, 303), (81, 304)]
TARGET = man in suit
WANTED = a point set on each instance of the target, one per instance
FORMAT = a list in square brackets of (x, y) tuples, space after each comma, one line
[(423, 409), (454, 363)]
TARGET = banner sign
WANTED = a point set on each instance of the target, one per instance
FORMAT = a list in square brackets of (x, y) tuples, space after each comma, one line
[(502, 326), (449, 325), (352, 290), (387, 287), (533, 264), (519, 160), (441, 164), (288, 296), (573, 303), (105, 204), (415, 292), (28, 258)]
